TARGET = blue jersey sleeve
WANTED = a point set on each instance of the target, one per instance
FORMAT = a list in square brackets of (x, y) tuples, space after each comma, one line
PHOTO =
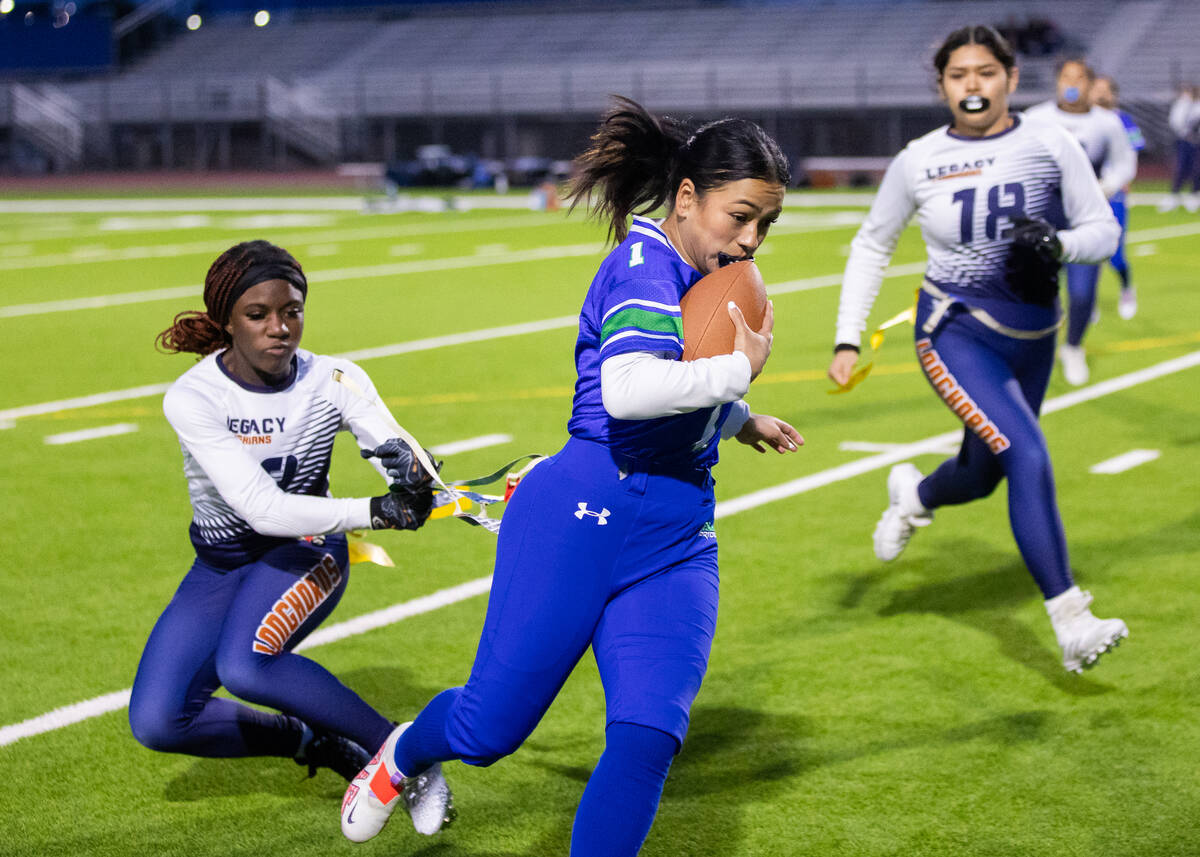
[(640, 314)]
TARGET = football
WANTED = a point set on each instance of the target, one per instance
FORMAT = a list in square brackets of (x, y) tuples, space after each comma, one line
[(707, 327)]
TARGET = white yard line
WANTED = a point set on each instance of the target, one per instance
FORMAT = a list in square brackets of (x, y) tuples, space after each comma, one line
[(80, 711), (322, 237), (470, 444), (90, 434), (1125, 461)]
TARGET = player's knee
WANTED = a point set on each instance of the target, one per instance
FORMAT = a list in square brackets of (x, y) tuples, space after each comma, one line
[(1028, 460), (154, 727)]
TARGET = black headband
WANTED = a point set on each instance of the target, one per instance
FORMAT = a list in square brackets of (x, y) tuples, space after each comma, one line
[(260, 273)]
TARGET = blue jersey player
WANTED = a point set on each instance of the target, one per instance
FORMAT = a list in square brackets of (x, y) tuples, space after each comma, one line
[(256, 418), (1105, 94), (1001, 200), (610, 542)]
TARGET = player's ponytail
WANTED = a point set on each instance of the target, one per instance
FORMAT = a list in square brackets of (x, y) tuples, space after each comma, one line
[(234, 271), (630, 161), (636, 161)]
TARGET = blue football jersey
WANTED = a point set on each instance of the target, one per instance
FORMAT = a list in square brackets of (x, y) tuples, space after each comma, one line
[(633, 305)]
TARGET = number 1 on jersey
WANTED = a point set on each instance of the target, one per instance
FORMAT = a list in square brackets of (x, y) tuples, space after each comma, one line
[(635, 255)]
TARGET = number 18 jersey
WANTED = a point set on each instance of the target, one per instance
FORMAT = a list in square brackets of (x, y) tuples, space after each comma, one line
[(965, 193)]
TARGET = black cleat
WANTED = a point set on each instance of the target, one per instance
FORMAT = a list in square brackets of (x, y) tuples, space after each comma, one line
[(329, 750)]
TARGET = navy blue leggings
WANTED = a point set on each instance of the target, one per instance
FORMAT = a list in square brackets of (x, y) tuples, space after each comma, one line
[(1081, 292), (995, 384), (236, 629), (1185, 166)]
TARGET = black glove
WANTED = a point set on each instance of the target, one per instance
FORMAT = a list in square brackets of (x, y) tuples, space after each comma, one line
[(398, 460), (1033, 260), (402, 508)]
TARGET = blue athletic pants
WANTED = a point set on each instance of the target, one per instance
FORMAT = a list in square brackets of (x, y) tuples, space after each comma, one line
[(995, 384), (1118, 261), (236, 629), (594, 550)]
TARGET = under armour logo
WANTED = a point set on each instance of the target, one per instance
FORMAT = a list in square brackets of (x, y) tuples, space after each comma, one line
[(601, 516)]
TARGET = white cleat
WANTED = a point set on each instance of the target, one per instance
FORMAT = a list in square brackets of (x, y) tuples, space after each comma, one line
[(1082, 637), (1191, 203), (903, 514), (380, 787), (1170, 202), (1127, 303), (1074, 364)]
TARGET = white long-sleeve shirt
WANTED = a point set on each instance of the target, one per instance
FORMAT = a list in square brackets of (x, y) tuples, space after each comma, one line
[(1184, 118), (1104, 139), (964, 192), (641, 385), (257, 459)]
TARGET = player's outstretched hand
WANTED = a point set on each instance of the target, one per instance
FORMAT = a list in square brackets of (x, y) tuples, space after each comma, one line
[(398, 460), (842, 366), (761, 429), (756, 345), (402, 508)]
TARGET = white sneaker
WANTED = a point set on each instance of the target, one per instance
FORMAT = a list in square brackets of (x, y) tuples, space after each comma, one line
[(1170, 202), (903, 514), (1127, 303), (380, 787), (1074, 364), (1082, 637), (1191, 203)]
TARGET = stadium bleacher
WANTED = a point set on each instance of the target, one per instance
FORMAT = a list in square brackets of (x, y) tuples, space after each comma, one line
[(480, 62)]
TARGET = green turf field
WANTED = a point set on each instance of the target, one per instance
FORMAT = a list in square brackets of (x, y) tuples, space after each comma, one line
[(851, 708)]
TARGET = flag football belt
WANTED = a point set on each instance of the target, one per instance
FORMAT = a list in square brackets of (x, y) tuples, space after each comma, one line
[(943, 302), (449, 498)]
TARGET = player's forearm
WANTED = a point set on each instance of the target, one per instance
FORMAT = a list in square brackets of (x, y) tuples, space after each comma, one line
[(1091, 243), (860, 286), (297, 515), (640, 385)]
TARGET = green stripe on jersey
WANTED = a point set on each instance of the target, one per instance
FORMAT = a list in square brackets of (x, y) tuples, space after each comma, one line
[(642, 319)]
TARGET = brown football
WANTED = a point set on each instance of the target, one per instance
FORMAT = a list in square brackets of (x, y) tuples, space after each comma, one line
[(707, 327)]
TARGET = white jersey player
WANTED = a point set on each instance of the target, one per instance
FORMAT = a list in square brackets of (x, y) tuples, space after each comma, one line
[(1001, 200), (1106, 142), (256, 419)]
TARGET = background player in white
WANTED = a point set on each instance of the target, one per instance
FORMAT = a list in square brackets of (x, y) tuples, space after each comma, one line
[(1000, 200), (1104, 139), (1184, 120), (256, 420), (1105, 93)]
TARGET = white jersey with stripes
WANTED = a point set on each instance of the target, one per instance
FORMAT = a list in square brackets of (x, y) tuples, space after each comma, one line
[(257, 458), (965, 193), (1104, 139)]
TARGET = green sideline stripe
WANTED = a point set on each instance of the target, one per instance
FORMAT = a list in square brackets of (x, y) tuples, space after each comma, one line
[(642, 319)]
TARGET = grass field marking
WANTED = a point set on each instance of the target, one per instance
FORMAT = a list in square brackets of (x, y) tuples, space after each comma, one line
[(1125, 461), (99, 301), (65, 716), (80, 711), (1159, 233), (470, 444), (90, 434), (397, 613), (86, 255), (867, 446), (937, 443), (84, 401), (427, 266)]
